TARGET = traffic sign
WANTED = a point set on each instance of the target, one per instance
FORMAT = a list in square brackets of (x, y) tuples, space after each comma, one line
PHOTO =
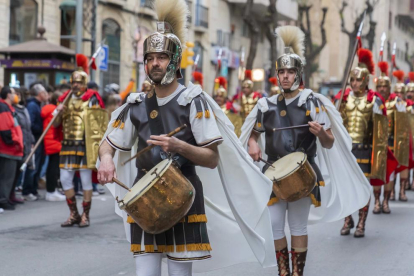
[(103, 58)]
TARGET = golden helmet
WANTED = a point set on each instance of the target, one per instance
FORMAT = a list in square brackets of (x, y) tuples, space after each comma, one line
[(220, 87), (399, 86), (410, 85), (383, 79), (364, 69)]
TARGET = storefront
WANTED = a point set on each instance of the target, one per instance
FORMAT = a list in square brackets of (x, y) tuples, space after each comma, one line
[(37, 60)]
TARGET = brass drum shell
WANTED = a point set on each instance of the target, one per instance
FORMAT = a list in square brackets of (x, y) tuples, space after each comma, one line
[(297, 185), (164, 204)]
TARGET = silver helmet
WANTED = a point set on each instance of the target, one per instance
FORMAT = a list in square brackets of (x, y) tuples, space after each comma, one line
[(293, 56), (171, 30)]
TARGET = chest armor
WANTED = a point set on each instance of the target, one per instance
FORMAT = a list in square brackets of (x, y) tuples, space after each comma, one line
[(302, 138), (235, 119), (249, 103), (173, 116), (73, 119), (358, 114)]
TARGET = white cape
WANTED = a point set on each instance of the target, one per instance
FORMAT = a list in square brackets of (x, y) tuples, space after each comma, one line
[(235, 193), (346, 188)]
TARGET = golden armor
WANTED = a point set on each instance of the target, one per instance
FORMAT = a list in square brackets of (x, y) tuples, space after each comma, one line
[(248, 103), (356, 115), (235, 119)]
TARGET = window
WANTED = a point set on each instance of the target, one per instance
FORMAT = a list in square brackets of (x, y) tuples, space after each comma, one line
[(112, 32), (23, 21)]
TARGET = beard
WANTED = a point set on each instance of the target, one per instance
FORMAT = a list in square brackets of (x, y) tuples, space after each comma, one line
[(156, 75)]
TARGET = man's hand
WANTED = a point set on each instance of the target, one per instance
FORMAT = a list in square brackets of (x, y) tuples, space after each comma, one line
[(61, 107), (168, 144), (254, 149), (106, 170), (325, 136), (316, 129)]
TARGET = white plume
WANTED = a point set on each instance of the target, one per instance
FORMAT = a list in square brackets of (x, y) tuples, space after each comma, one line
[(293, 37), (174, 12)]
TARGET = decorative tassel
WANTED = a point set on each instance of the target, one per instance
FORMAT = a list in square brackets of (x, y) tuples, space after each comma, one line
[(130, 220), (207, 114), (197, 218), (272, 201), (307, 112), (259, 125), (122, 125), (135, 247), (116, 123), (317, 110), (199, 115), (321, 183)]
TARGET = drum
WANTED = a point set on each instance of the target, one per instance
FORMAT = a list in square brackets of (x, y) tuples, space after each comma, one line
[(293, 177), (160, 199)]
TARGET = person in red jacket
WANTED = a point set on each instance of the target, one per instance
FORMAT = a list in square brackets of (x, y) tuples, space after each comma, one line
[(11, 145), (52, 148)]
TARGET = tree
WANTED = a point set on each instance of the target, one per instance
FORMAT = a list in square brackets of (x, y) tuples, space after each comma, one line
[(352, 35), (312, 50), (254, 32), (269, 25)]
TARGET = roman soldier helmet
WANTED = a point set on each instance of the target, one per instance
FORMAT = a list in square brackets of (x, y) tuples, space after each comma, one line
[(383, 79), (410, 85), (274, 89), (81, 74), (293, 56), (365, 67), (220, 87), (247, 82), (399, 86), (170, 36), (198, 78)]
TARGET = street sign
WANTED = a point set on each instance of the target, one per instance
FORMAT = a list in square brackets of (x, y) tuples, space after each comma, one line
[(103, 58)]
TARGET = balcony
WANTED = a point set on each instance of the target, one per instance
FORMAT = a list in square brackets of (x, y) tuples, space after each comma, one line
[(201, 16)]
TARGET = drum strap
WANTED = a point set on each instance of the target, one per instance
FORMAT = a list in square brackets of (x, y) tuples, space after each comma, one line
[(284, 120)]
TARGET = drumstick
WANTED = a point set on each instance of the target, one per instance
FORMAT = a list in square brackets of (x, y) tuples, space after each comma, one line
[(120, 184), (264, 161), (172, 133), (293, 127)]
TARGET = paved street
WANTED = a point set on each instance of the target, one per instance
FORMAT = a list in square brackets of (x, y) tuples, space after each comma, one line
[(33, 243)]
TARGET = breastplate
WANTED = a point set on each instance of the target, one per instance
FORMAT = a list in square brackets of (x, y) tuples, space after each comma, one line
[(249, 103), (303, 139), (173, 116), (73, 120), (358, 119)]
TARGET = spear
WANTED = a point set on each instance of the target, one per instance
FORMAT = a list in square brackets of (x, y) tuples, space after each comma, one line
[(383, 38), (242, 70), (393, 65), (219, 56), (357, 45)]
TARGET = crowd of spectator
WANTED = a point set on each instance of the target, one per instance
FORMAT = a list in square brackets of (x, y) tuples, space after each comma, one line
[(24, 115)]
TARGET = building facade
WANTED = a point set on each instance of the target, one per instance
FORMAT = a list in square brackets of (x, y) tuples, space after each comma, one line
[(124, 24)]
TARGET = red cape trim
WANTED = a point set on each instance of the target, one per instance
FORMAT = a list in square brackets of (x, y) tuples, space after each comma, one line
[(86, 96)]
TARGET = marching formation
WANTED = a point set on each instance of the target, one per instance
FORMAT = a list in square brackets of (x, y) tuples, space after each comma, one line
[(208, 181)]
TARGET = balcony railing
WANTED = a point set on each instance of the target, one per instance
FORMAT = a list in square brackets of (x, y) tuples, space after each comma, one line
[(201, 16)]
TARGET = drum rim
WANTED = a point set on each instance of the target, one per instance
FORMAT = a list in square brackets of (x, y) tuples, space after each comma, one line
[(148, 186), (304, 160)]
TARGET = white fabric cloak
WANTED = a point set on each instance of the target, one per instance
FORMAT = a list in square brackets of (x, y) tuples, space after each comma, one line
[(346, 188), (236, 195)]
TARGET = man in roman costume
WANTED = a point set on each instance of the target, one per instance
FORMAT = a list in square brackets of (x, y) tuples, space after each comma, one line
[(261, 136), (206, 152)]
